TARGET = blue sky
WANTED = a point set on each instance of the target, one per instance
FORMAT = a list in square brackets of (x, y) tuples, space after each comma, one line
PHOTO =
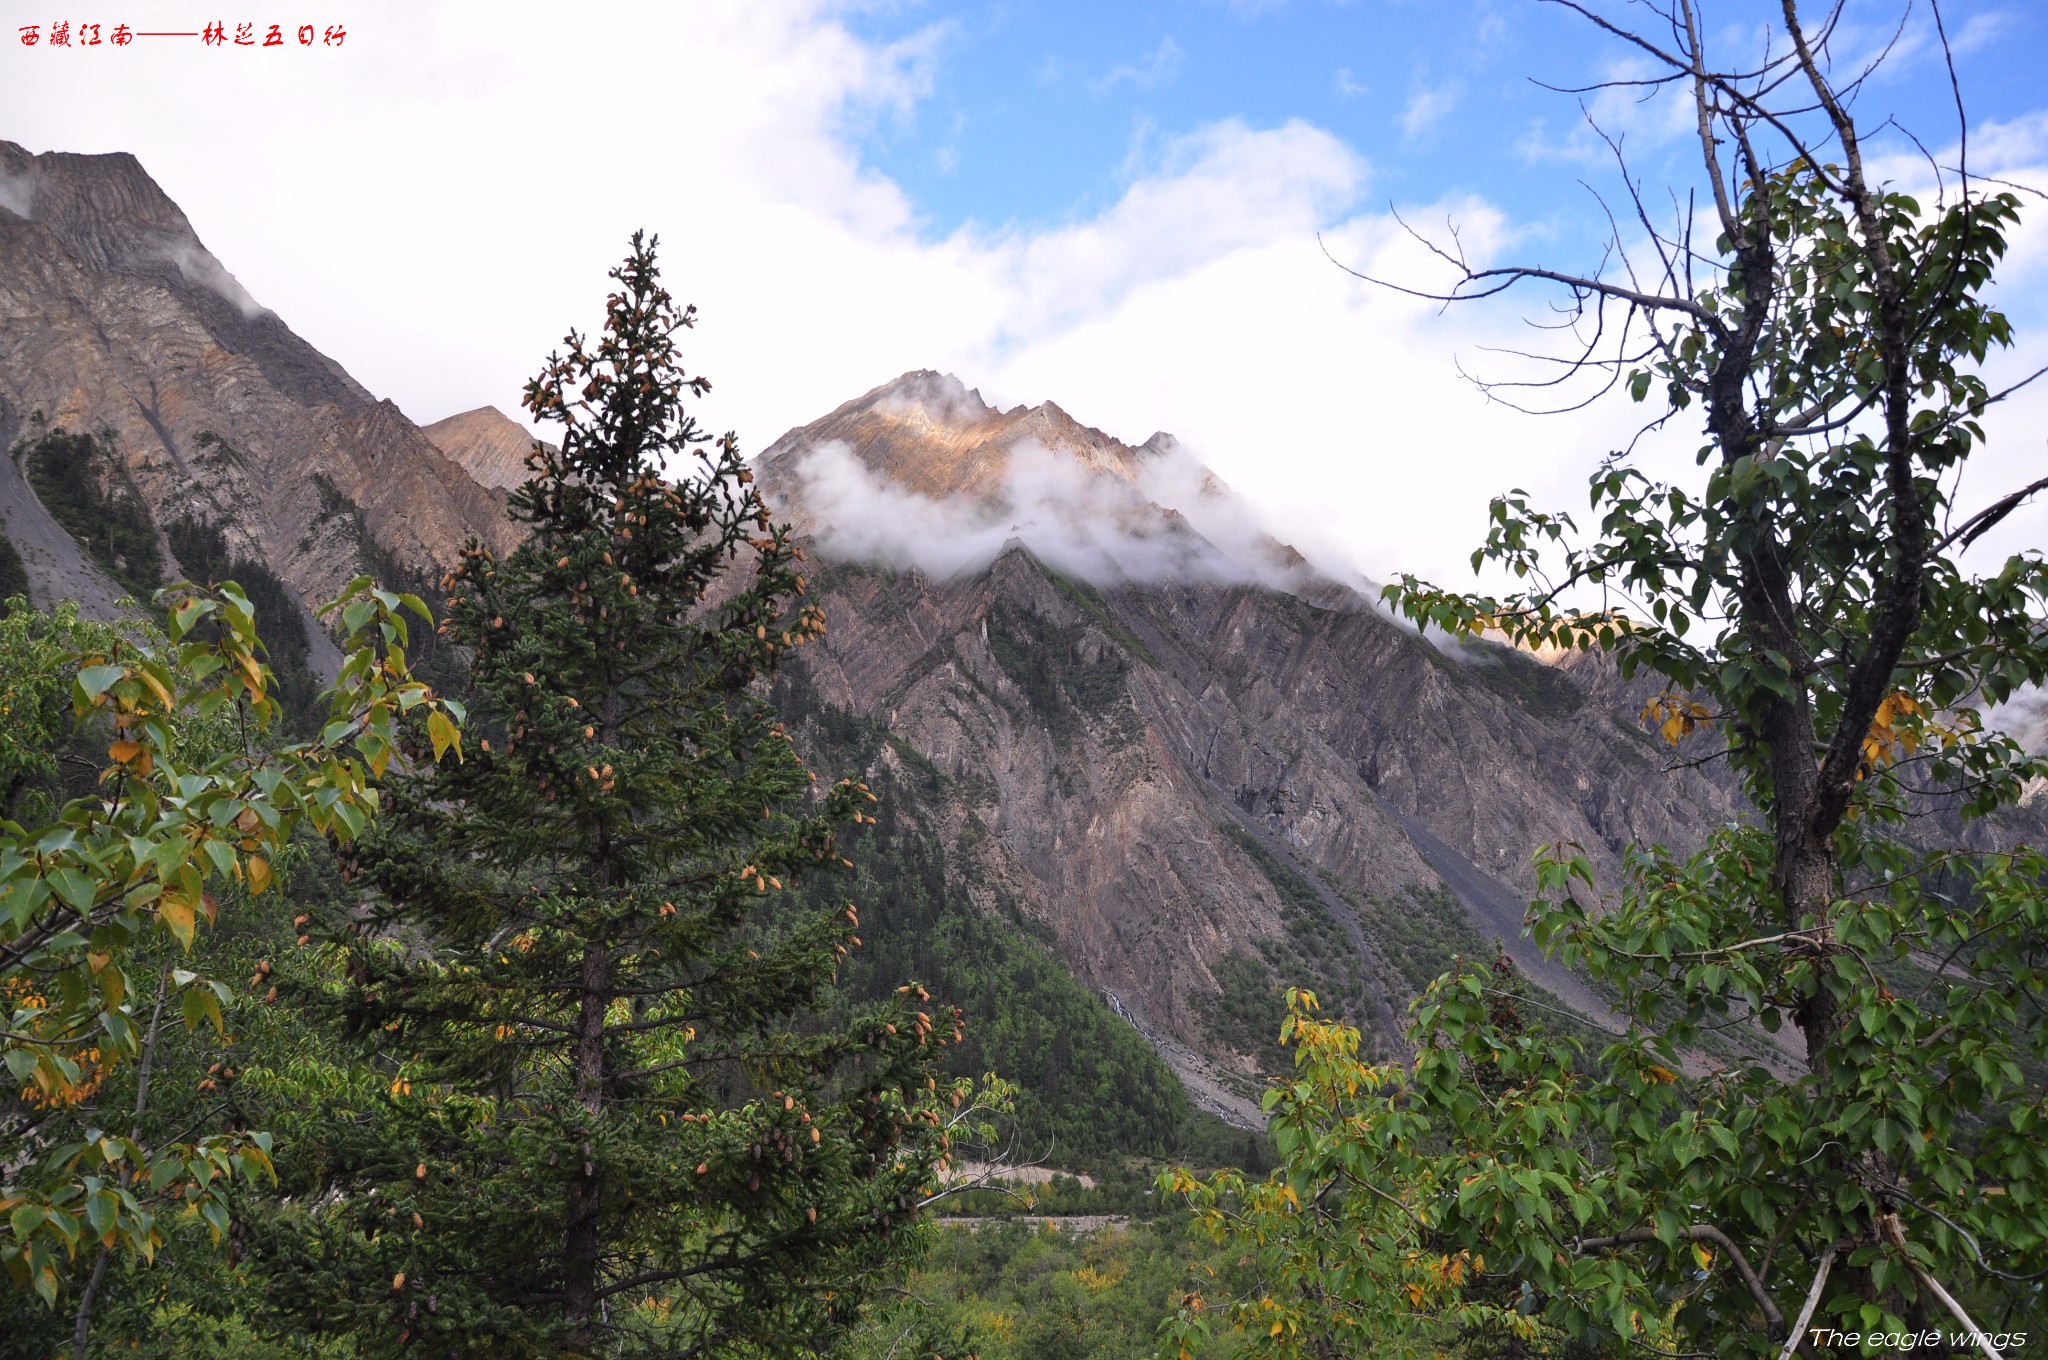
[(1042, 111), (1114, 206)]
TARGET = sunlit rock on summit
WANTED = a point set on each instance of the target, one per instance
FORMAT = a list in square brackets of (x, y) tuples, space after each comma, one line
[(921, 472)]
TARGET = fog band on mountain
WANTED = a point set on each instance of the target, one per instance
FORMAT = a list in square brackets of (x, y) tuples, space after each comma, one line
[(17, 194), (921, 473), (199, 267)]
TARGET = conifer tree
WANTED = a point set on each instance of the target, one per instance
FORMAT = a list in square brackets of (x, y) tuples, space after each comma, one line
[(611, 1119)]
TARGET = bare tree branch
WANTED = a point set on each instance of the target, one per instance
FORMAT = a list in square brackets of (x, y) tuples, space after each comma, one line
[(1813, 1293)]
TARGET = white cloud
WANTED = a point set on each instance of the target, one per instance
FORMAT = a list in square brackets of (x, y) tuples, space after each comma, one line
[(1155, 69), (1223, 188), (1981, 30), (2017, 144), (202, 269), (1140, 153), (1428, 106), (1087, 524), (1638, 115)]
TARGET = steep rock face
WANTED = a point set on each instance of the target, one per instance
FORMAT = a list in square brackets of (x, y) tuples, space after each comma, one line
[(114, 317), (1126, 760), (490, 446), (932, 435)]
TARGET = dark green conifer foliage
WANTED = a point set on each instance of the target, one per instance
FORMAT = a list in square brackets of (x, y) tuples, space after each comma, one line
[(13, 573), (611, 1119), (202, 550), (82, 482)]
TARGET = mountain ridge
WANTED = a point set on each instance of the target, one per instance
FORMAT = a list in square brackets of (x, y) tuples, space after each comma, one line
[(1191, 778), (1151, 735), (955, 479), (115, 318), (487, 444)]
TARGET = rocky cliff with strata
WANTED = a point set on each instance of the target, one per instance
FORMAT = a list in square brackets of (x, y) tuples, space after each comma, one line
[(115, 318), (489, 445), (1173, 769)]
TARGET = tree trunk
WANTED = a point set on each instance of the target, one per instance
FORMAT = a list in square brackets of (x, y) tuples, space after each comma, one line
[(81, 1329), (581, 1243)]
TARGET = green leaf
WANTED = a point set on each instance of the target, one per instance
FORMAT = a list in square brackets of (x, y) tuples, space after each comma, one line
[(192, 1006), (102, 1211), (95, 681), (74, 888)]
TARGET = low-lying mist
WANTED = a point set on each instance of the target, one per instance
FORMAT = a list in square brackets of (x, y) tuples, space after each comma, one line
[(1176, 522)]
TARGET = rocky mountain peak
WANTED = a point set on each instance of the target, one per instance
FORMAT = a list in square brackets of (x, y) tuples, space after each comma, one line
[(488, 444), (933, 397), (106, 209), (922, 472), (932, 434)]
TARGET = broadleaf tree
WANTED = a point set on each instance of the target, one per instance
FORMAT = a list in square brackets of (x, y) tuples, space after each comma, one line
[(1876, 1168), (97, 890), (609, 1117)]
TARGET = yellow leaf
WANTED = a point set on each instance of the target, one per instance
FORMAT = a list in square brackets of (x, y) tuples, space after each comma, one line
[(1702, 1255), (156, 687), (180, 915), (441, 730), (259, 874), (1663, 1075)]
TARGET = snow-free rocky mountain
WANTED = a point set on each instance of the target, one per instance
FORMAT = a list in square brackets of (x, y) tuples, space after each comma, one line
[(1154, 731), (113, 316)]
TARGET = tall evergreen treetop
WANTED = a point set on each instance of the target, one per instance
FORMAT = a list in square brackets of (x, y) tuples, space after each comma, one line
[(615, 1121)]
